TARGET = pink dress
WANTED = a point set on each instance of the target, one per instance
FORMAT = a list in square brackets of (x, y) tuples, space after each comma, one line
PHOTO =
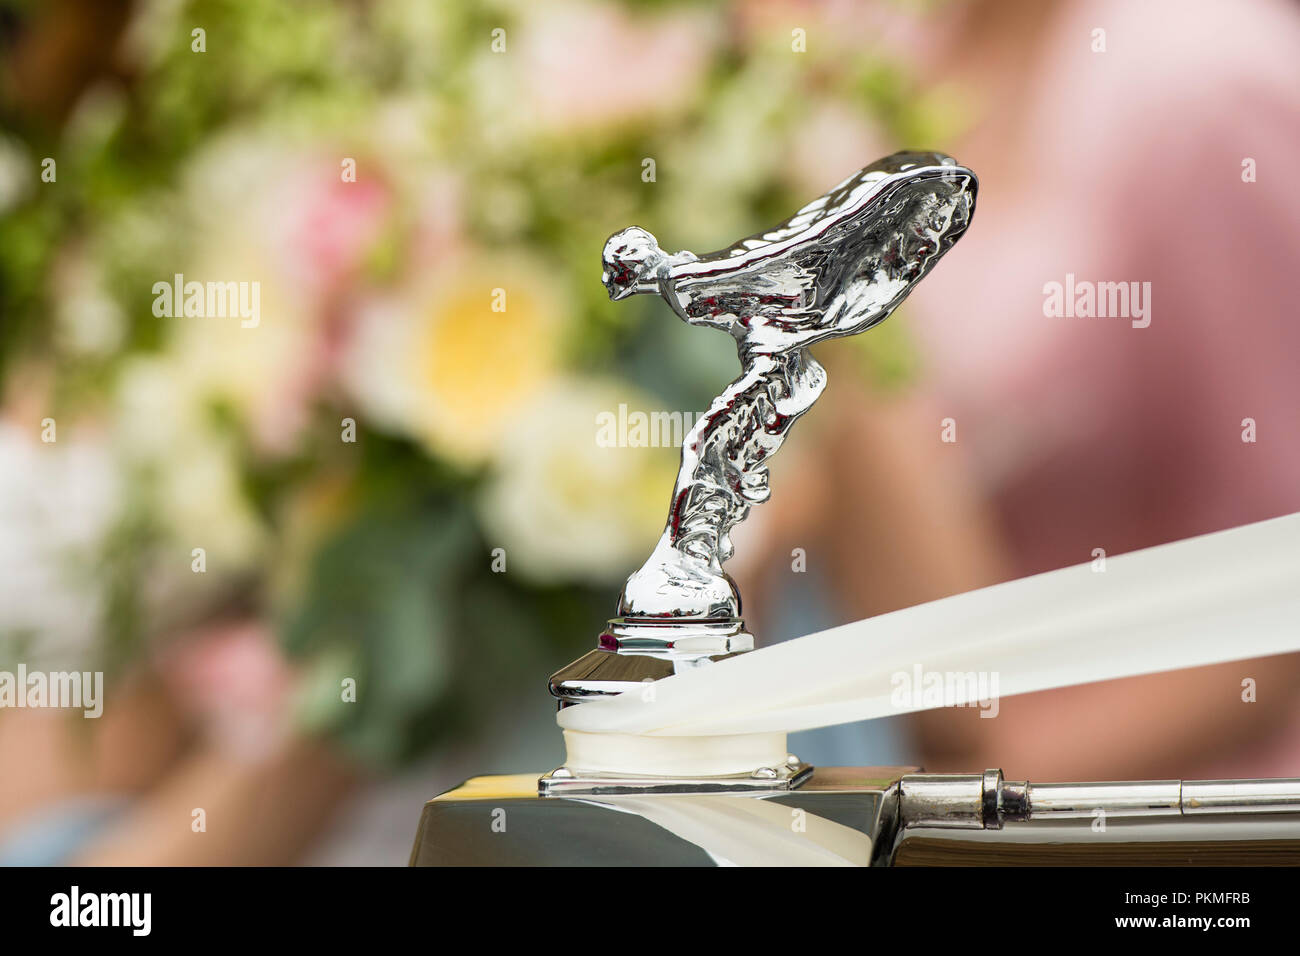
[(1126, 431)]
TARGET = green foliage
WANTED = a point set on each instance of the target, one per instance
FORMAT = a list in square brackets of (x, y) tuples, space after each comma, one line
[(379, 609), (401, 601), (397, 593)]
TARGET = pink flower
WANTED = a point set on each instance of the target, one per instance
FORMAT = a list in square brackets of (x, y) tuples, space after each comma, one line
[(586, 65), (235, 680), (325, 227)]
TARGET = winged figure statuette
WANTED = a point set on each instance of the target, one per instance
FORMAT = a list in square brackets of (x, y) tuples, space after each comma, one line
[(838, 266)]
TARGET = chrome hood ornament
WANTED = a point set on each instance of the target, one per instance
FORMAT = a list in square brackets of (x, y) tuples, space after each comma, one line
[(837, 267)]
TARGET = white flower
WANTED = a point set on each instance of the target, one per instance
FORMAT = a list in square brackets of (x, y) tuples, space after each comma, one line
[(203, 503), (57, 501), (562, 506), (162, 429), (87, 318)]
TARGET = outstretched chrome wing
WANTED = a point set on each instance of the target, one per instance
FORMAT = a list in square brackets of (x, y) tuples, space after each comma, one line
[(840, 264)]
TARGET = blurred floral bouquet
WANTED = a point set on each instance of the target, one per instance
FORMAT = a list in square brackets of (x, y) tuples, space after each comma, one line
[(389, 455)]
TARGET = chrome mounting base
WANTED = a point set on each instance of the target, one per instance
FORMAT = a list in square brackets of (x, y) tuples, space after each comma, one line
[(563, 782)]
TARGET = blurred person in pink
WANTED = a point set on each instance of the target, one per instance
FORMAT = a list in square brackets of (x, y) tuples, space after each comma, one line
[(1146, 144)]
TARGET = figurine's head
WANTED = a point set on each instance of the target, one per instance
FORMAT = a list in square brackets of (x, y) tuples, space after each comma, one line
[(630, 257)]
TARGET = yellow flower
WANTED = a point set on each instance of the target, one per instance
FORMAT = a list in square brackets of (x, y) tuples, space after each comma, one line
[(459, 359)]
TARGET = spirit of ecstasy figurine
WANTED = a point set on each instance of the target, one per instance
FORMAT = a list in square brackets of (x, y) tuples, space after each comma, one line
[(838, 266)]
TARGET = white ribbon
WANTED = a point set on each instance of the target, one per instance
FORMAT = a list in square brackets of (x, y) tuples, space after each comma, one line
[(1219, 597)]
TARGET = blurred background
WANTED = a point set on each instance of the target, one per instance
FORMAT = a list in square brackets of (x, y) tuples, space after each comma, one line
[(379, 479)]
